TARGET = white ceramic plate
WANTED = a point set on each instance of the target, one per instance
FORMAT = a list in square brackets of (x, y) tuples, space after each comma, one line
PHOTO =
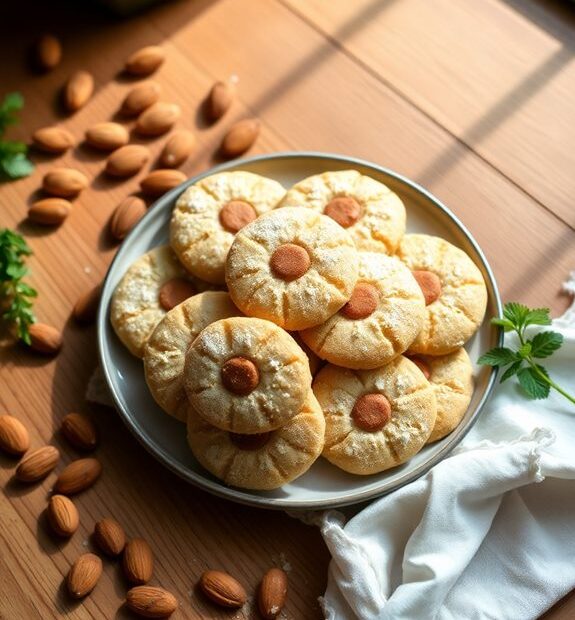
[(323, 485)]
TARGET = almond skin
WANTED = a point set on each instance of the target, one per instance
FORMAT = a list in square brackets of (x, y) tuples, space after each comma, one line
[(79, 431), (78, 476), (138, 561), (53, 139), (220, 99), (37, 464), (151, 602), (86, 308), (127, 160), (110, 537), (158, 118), (14, 438), (107, 136), (84, 575), (240, 137), (45, 338), (49, 211), (223, 589), (126, 215), (272, 593), (48, 52), (177, 149), (78, 90), (146, 60), (140, 98), (64, 182), (62, 516), (159, 182)]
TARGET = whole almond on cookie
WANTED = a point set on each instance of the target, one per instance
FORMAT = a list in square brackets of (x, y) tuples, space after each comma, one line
[(49, 211), (177, 149), (223, 589), (62, 516), (48, 52), (145, 60), (45, 338), (140, 98), (53, 139), (84, 575), (272, 593), (138, 561), (159, 182), (37, 464), (110, 537), (151, 602), (126, 215), (78, 476), (107, 136), (220, 99), (64, 182), (78, 90), (14, 438), (240, 137), (127, 160), (86, 308), (158, 118), (80, 431)]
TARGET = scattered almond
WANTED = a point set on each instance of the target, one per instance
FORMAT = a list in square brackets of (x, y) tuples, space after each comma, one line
[(84, 575), (127, 160), (158, 118), (53, 139), (86, 308), (146, 60), (80, 431), (138, 561), (49, 211), (223, 589), (48, 52), (107, 136), (62, 516), (151, 602), (14, 438), (240, 137), (159, 182), (37, 464), (110, 537), (220, 99), (126, 215), (78, 476), (78, 90), (141, 97), (45, 338), (177, 149), (64, 182), (272, 593)]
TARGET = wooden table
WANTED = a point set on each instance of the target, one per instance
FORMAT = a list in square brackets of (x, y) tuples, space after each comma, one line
[(475, 100)]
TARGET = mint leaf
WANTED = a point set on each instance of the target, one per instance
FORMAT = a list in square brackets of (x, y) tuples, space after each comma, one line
[(532, 383), (524, 350), (512, 370), (499, 356), (538, 316), (505, 323), (545, 343), (13, 103), (516, 313), (16, 166)]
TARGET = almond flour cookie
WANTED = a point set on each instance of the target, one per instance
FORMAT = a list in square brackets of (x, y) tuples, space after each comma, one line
[(264, 461), (209, 214), (372, 214), (382, 318), (293, 267), (165, 351), (246, 375), (454, 291), (375, 419), (153, 284)]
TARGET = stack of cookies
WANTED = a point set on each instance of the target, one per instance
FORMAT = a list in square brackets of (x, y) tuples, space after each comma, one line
[(281, 326)]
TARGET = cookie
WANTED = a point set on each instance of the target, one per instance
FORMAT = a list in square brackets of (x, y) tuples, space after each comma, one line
[(315, 363), (382, 318), (292, 266), (372, 214), (454, 291), (165, 351), (208, 215), (375, 419), (153, 284), (246, 375), (265, 461), (451, 377)]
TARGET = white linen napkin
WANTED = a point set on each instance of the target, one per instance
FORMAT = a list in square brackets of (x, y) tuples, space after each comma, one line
[(488, 533)]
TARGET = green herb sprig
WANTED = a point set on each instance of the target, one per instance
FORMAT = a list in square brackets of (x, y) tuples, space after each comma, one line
[(15, 295), (13, 161), (533, 378)]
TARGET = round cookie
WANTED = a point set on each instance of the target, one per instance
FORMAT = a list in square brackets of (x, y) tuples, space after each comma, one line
[(375, 419), (293, 267), (165, 351), (152, 285), (246, 375), (451, 377), (372, 214), (382, 318), (454, 291), (261, 462), (209, 214)]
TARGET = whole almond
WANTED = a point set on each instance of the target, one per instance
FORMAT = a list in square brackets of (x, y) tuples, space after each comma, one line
[(64, 182), (126, 215), (53, 139), (158, 182), (84, 575), (62, 516), (151, 602), (49, 211), (86, 308), (240, 137), (48, 52), (37, 464), (138, 561), (14, 438), (45, 338), (223, 589), (110, 537), (220, 99), (80, 431), (146, 60), (177, 149), (107, 136), (127, 160), (272, 593), (78, 90), (78, 476), (141, 97), (158, 118)]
